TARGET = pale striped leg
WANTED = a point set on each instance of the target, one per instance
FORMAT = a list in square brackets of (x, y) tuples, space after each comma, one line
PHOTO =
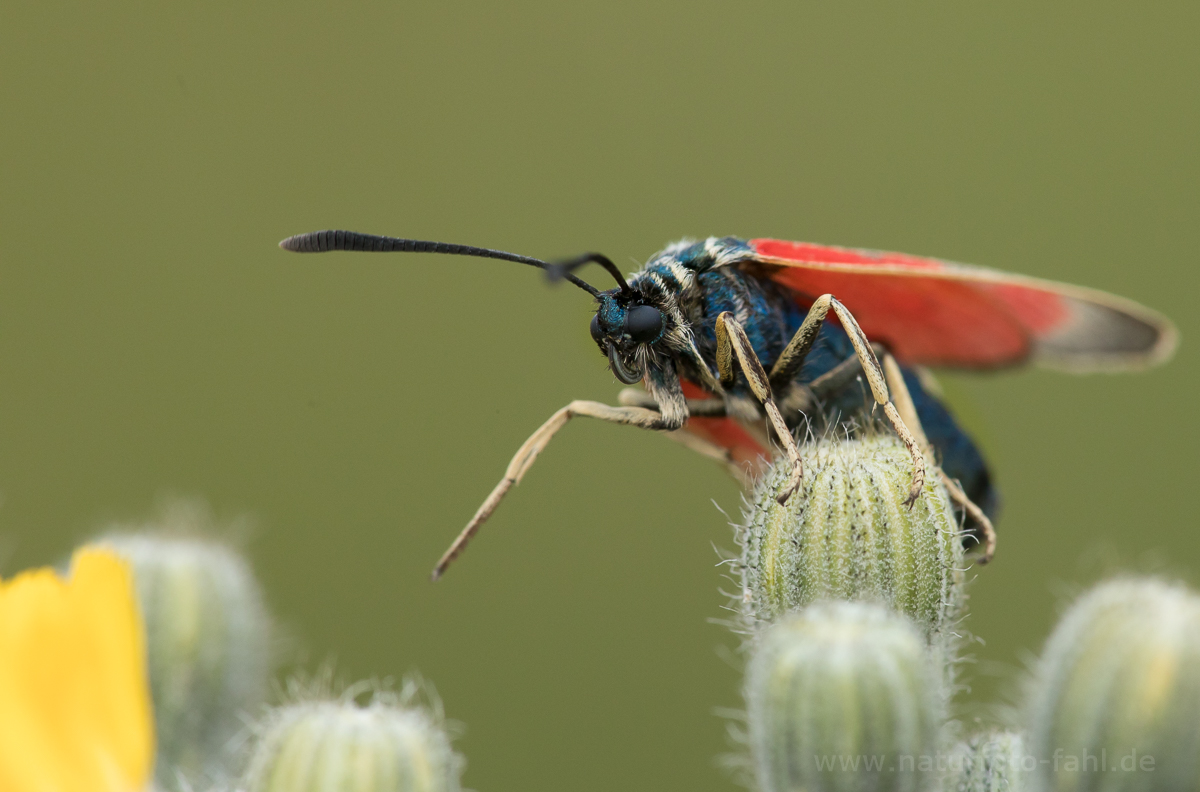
[(525, 456), (908, 411)]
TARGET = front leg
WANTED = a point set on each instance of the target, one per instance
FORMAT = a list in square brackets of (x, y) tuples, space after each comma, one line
[(711, 407), (528, 452)]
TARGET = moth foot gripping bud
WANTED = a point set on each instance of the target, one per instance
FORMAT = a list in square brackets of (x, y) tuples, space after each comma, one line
[(1115, 699), (340, 746), (842, 696), (848, 535), (207, 640)]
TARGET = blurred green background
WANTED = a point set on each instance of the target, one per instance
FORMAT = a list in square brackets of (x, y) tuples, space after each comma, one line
[(154, 340)]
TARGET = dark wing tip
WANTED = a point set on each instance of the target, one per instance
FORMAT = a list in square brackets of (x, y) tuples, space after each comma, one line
[(1107, 333)]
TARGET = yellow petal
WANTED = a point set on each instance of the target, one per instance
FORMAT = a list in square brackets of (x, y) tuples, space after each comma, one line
[(75, 713)]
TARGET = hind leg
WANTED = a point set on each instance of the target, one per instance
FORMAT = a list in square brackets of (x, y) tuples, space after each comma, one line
[(908, 412)]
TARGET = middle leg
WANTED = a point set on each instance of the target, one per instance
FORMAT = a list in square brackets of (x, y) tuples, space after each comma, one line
[(908, 411), (788, 366)]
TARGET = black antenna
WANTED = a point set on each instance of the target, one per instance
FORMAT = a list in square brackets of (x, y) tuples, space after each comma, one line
[(322, 241), (561, 269)]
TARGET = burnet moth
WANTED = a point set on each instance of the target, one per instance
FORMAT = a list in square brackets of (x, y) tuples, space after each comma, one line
[(730, 339)]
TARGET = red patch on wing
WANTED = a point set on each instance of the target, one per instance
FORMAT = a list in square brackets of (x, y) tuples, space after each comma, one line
[(1039, 311), (926, 311), (724, 432), (807, 251)]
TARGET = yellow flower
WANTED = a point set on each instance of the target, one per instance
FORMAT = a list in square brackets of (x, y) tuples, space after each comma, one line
[(75, 712)]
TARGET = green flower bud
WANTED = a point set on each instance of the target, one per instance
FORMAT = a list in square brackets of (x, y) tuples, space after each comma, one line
[(842, 696), (339, 746), (989, 763), (207, 641), (1115, 699), (846, 534)]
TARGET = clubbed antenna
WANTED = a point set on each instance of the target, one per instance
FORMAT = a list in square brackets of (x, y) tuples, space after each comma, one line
[(322, 241)]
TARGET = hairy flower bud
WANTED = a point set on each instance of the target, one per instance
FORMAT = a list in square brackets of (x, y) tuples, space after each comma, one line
[(339, 746), (207, 637), (848, 535), (988, 763), (1115, 699), (842, 696)]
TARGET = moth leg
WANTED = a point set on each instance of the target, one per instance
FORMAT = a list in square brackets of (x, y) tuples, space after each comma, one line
[(976, 514), (528, 452), (903, 401), (700, 408), (908, 411), (697, 408), (837, 377), (799, 397), (793, 357), (731, 341)]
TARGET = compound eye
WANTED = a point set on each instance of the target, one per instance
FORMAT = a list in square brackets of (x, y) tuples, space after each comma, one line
[(597, 333), (644, 324)]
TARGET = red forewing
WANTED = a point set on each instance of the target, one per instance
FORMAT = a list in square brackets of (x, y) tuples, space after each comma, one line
[(939, 313)]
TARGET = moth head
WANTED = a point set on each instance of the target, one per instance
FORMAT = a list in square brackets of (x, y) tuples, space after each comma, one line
[(624, 327)]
